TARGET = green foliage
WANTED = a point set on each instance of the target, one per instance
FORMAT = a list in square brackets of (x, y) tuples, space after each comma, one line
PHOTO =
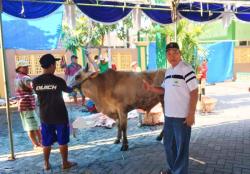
[(187, 37), (91, 33), (73, 39), (160, 50), (99, 31), (153, 29), (123, 27)]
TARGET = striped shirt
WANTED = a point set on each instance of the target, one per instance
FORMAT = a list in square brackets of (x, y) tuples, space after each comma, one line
[(24, 92), (179, 82)]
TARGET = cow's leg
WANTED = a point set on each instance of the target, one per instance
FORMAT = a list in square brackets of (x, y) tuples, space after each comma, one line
[(119, 132), (159, 137), (123, 125)]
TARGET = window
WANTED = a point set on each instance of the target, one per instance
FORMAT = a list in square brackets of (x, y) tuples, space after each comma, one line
[(243, 43), (33, 59)]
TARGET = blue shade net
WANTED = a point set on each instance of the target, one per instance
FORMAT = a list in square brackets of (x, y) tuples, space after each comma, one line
[(35, 34)]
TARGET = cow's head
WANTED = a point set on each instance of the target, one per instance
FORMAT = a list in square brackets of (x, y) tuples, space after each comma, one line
[(84, 75)]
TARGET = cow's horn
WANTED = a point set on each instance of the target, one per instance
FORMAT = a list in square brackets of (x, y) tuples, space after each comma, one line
[(86, 68)]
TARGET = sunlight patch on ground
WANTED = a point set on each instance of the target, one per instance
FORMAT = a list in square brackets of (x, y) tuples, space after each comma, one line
[(196, 160), (91, 144)]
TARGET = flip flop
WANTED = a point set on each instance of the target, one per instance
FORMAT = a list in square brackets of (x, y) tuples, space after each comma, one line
[(69, 165)]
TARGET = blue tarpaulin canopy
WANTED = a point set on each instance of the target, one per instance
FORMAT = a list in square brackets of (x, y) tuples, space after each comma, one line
[(243, 13), (104, 12), (201, 12), (30, 10), (162, 15), (109, 12)]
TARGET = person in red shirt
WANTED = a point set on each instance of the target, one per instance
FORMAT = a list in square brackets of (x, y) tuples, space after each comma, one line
[(70, 71), (113, 67), (203, 75)]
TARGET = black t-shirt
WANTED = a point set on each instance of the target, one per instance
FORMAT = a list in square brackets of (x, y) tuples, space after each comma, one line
[(51, 104)]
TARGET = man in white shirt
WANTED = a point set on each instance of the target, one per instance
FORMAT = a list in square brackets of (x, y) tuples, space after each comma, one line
[(180, 91)]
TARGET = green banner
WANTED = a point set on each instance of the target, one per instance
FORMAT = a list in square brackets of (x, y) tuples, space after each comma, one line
[(83, 57), (161, 50)]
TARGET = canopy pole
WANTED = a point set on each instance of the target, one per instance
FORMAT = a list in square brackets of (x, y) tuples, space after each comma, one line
[(5, 79), (175, 4), (175, 31)]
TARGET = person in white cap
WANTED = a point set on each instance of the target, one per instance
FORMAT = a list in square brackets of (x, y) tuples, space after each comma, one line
[(103, 65), (26, 103), (135, 67)]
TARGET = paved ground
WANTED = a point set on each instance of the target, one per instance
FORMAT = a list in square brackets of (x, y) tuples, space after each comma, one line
[(220, 143)]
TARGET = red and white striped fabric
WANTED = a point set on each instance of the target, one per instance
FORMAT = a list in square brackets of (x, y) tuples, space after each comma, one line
[(24, 92)]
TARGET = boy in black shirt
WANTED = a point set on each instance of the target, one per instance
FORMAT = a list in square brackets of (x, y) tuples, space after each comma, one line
[(53, 112)]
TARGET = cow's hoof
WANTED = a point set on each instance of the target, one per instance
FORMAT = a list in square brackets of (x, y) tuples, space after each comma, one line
[(159, 138), (117, 141), (124, 147)]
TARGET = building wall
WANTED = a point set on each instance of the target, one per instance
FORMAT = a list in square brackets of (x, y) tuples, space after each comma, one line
[(241, 62), (215, 31), (121, 57), (34, 70)]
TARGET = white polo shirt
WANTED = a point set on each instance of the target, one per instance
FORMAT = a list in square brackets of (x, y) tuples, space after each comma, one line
[(179, 82)]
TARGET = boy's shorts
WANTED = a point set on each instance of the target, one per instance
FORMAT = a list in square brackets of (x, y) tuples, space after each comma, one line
[(54, 133), (30, 120)]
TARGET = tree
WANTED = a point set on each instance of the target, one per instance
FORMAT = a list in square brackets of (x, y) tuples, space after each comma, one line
[(85, 33), (123, 29), (187, 37), (72, 39), (91, 33)]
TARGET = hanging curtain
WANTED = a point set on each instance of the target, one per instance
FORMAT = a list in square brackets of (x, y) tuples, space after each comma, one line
[(29, 10), (159, 16), (104, 14), (243, 17), (200, 12)]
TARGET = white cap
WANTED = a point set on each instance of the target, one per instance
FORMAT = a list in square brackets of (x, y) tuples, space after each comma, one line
[(102, 58), (133, 63), (22, 63)]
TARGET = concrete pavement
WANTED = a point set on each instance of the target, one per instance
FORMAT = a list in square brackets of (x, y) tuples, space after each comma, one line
[(219, 144)]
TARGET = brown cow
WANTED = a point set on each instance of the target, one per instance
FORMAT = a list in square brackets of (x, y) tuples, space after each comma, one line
[(115, 93)]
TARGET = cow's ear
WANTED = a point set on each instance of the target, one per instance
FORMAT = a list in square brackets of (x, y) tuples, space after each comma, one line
[(86, 68)]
